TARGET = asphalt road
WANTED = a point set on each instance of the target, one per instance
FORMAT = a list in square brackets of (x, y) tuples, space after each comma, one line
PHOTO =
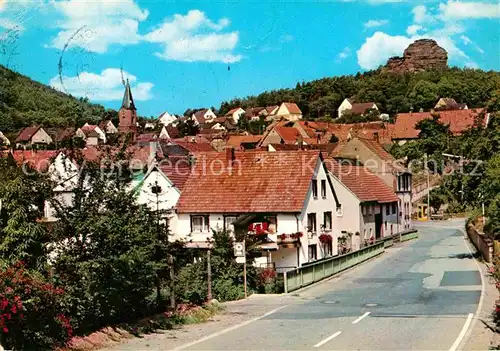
[(418, 296)]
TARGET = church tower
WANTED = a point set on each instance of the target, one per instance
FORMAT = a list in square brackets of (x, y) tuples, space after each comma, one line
[(128, 113)]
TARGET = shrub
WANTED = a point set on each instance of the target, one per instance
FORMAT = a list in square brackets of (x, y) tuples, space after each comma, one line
[(31, 313)]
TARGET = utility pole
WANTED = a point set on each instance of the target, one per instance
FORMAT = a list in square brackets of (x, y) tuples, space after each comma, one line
[(209, 275), (428, 189), (245, 267)]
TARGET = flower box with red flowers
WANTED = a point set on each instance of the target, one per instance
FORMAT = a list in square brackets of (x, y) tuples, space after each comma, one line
[(259, 228)]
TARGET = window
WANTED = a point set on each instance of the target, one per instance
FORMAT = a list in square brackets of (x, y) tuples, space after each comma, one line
[(394, 208), (340, 212), (228, 221), (385, 225), (327, 220), (315, 188), (199, 224), (311, 222), (323, 188), (387, 210), (273, 223), (392, 231), (364, 233), (327, 249), (313, 252)]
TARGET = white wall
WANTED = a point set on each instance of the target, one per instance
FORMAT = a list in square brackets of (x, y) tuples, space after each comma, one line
[(345, 105)]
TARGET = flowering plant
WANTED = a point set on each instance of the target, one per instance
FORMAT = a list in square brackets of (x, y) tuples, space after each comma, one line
[(31, 316)]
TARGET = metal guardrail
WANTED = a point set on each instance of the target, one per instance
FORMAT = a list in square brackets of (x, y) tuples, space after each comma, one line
[(317, 271), (410, 235)]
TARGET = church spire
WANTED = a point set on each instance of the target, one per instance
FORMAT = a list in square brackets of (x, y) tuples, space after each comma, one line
[(128, 101)]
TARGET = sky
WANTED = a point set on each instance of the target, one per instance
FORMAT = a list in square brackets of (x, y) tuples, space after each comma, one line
[(190, 54)]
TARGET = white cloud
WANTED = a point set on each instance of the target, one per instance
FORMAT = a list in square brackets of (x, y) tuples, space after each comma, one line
[(465, 10), (381, 46), (375, 23), (413, 29), (467, 41), (97, 24), (345, 53), (194, 37), (106, 86), (420, 15)]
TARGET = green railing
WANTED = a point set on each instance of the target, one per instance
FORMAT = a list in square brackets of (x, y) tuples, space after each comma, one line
[(409, 235), (388, 243), (317, 271)]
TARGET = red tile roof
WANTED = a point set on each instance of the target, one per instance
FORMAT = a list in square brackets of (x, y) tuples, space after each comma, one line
[(361, 107), (38, 160), (146, 137), (193, 146), (378, 149), (89, 130), (26, 134), (270, 109), (288, 134), (177, 169), (259, 182), (230, 112), (293, 108), (362, 182), (458, 120), (235, 141)]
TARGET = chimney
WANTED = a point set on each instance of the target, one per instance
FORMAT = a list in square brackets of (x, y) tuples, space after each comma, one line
[(230, 156)]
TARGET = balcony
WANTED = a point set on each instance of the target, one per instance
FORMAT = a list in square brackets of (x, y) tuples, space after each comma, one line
[(290, 240)]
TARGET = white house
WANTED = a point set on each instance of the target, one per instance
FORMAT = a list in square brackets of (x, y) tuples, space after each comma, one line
[(285, 199), (4, 141), (166, 118), (149, 125), (32, 136), (356, 108), (108, 127), (164, 133), (369, 206), (92, 134), (287, 110), (235, 114), (204, 116)]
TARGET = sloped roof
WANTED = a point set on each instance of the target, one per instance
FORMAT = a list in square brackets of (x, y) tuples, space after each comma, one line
[(236, 140), (270, 109), (90, 130), (230, 112), (26, 134), (146, 137), (375, 147), (60, 134), (193, 146), (128, 100), (177, 169), (361, 107), (362, 182), (38, 160), (288, 134), (293, 108), (254, 111), (259, 181), (458, 120)]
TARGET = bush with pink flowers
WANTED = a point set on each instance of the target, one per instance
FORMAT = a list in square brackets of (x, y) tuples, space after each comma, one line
[(31, 313)]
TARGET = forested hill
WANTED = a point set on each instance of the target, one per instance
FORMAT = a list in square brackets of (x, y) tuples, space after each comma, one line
[(24, 102), (392, 92)]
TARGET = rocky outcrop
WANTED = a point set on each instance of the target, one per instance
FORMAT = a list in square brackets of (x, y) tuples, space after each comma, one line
[(422, 55)]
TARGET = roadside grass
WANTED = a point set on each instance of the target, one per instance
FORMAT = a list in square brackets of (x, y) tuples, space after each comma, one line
[(109, 336)]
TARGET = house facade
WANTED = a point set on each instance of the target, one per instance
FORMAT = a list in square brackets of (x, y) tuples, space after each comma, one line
[(166, 118), (250, 193), (204, 116), (32, 136), (369, 206), (358, 108), (92, 134), (108, 127), (4, 141), (235, 114), (376, 159), (287, 110)]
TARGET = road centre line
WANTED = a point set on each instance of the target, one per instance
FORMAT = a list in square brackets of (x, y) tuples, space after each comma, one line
[(224, 331), (328, 339), (360, 318)]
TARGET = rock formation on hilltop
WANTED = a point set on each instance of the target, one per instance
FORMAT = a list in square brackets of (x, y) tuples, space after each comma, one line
[(423, 54)]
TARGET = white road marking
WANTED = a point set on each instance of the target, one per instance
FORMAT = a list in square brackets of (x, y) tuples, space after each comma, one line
[(224, 331), (360, 318), (328, 339), (462, 332)]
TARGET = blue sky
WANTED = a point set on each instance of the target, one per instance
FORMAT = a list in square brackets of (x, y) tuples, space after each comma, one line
[(177, 53)]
